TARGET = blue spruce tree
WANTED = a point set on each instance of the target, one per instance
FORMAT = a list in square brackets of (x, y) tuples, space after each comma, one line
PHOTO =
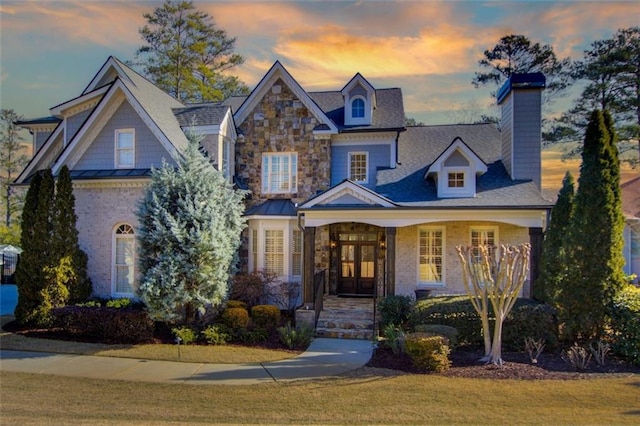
[(190, 225)]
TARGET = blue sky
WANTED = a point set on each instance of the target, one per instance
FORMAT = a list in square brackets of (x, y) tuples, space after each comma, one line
[(50, 50)]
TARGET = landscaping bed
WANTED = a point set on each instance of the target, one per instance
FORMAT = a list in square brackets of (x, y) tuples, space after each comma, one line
[(516, 366)]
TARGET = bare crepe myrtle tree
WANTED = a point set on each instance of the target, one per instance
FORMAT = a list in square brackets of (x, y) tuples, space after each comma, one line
[(494, 280)]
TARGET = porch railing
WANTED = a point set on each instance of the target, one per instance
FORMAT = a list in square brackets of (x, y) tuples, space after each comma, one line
[(318, 292)]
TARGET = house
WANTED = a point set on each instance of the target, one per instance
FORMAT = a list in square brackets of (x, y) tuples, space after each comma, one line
[(338, 184), (631, 211)]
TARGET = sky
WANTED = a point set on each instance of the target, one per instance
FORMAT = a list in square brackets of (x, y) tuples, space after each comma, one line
[(50, 50)]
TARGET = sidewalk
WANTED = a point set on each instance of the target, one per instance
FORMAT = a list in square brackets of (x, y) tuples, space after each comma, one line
[(323, 358)]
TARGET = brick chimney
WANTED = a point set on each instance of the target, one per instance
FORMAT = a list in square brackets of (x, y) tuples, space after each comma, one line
[(520, 99)]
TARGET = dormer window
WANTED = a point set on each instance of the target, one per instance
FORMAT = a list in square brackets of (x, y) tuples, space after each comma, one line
[(456, 170), (357, 108)]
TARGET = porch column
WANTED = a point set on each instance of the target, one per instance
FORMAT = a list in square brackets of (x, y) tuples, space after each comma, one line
[(390, 256), (535, 239), (309, 249)]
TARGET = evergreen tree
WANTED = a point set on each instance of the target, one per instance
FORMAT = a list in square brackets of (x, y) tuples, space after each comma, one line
[(190, 225), (12, 160), (37, 253), (187, 56), (65, 239), (554, 263), (595, 238)]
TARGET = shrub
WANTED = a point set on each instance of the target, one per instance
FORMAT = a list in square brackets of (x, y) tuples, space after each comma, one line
[(625, 325), (394, 310), (577, 357), (428, 353), (184, 335), (215, 335), (527, 318), (235, 318), (440, 330), (251, 337), (266, 317), (394, 338), (253, 288), (109, 325), (236, 304), (295, 337), (118, 303), (90, 304)]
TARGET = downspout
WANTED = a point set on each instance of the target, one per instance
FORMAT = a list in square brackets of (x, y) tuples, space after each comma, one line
[(397, 150)]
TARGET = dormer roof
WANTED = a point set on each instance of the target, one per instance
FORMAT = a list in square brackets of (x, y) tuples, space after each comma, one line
[(358, 79), (458, 145)]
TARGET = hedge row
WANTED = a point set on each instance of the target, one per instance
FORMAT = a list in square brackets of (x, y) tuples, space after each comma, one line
[(527, 319)]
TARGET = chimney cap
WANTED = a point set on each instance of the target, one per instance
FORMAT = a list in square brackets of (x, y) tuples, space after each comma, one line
[(534, 80)]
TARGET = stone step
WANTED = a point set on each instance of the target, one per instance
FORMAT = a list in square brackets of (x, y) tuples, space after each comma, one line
[(341, 333), (344, 323), (342, 314)]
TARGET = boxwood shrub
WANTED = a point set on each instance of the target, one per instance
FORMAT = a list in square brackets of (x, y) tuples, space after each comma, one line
[(527, 319), (625, 324), (266, 317)]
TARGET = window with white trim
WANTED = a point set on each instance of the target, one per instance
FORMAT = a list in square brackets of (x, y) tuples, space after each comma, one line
[(358, 165), (455, 180), (431, 255), (296, 253), (280, 173), (125, 152), (124, 261), (254, 249), (357, 108), (274, 251)]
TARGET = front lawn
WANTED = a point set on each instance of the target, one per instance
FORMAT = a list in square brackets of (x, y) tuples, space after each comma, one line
[(369, 396)]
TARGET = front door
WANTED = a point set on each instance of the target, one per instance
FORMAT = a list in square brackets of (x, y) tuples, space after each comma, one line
[(357, 268)]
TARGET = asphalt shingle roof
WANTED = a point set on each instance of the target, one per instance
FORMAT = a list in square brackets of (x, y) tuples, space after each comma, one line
[(420, 146), (200, 114)]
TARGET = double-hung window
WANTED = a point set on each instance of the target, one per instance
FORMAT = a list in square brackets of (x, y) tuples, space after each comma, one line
[(280, 173), (123, 261), (431, 255), (125, 152), (358, 166), (483, 236), (274, 251)]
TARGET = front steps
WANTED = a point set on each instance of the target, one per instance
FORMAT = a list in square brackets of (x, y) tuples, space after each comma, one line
[(346, 318)]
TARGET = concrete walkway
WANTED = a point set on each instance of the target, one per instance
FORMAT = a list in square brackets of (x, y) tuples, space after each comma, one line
[(323, 358)]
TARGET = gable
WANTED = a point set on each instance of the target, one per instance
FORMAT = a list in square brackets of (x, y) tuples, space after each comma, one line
[(269, 83), (348, 193), (100, 152)]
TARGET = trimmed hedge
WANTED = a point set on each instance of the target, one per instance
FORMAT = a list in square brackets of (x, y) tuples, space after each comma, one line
[(235, 318), (527, 319), (428, 353), (625, 324), (266, 317), (109, 325), (394, 310)]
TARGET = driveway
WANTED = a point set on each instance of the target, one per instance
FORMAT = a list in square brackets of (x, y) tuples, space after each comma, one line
[(8, 298)]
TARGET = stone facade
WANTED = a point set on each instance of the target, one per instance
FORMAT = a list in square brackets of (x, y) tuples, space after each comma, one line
[(100, 209), (281, 123), (456, 233)]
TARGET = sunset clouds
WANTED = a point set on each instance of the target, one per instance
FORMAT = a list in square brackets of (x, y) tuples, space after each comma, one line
[(50, 49)]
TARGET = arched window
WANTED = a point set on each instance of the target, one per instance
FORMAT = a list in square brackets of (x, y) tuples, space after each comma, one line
[(357, 108), (123, 274)]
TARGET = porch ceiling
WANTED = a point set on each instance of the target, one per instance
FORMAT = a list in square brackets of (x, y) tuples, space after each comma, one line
[(398, 217)]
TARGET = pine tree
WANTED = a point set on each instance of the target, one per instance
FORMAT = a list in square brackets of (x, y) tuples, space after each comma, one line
[(595, 238), (65, 239), (37, 253), (555, 260), (190, 225)]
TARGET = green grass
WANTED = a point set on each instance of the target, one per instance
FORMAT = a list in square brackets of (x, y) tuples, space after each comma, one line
[(365, 399)]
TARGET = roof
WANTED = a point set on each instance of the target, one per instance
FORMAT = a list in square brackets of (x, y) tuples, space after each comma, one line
[(631, 198), (40, 120), (420, 146), (276, 207), (389, 113), (201, 114)]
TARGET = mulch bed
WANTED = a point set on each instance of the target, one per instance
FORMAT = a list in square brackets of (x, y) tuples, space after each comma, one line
[(516, 366)]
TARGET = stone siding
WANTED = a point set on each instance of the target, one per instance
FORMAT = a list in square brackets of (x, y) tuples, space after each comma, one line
[(456, 233), (99, 211), (281, 123)]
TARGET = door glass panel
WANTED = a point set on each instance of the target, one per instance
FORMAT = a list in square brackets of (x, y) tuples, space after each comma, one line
[(347, 257), (367, 261)]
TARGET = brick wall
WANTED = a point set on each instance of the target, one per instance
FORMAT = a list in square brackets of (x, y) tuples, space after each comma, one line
[(99, 210), (456, 233)]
